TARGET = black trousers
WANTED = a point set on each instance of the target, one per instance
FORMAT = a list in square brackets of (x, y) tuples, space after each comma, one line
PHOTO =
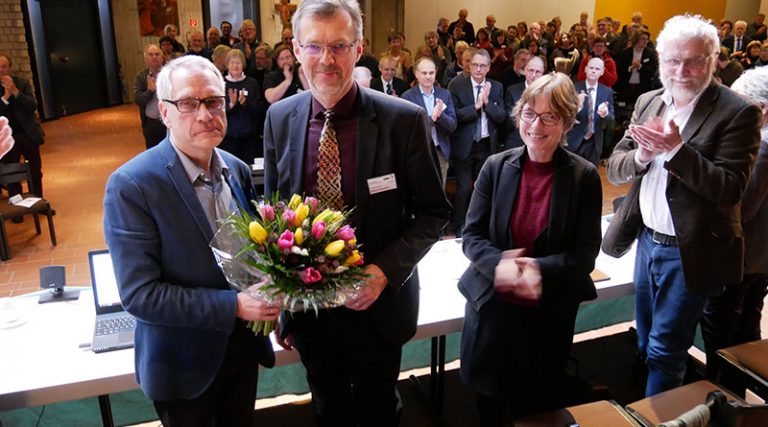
[(588, 151), (30, 150), (154, 131), (230, 399), (465, 172), (351, 370)]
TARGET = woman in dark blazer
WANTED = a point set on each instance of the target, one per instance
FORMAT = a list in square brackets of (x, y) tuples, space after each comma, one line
[(532, 235)]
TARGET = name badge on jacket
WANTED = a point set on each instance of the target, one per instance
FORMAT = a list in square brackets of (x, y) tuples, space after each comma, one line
[(382, 183)]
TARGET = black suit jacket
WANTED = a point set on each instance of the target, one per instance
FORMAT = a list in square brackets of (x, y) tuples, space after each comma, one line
[(730, 43), (462, 91), (398, 85), (24, 106), (395, 227), (648, 71), (513, 94)]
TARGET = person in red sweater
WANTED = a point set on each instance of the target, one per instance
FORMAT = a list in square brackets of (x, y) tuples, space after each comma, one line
[(599, 50)]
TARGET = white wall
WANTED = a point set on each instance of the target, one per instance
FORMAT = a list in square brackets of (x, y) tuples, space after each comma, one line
[(743, 9), (422, 15)]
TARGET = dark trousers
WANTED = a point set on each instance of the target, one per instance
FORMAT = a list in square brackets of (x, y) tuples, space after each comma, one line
[(244, 148), (588, 151), (466, 171), (351, 369), (230, 399), (30, 151), (733, 317), (154, 131)]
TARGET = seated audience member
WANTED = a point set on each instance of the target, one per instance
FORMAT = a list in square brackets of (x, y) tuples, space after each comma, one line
[(439, 107), (637, 68), (599, 50), (441, 56), (6, 138), (263, 64), (248, 44), (737, 42), (516, 73), (534, 35), (362, 76), (18, 105), (172, 32), (287, 79), (751, 55), (219, 58), (442, 31), (565, 56), (763, 61), (367, 60), (534, 69), (513, 41), (728, 69), (502, 56), (467, 29), (403, 60), (757, 29), (227, 38), (145, 96), (595, 115), (197, 46), (212, 38), (531, 248), (733, 317), (388, 83), (482, 39), (457, 68), (246, 110), (166, 46), (725, 29)]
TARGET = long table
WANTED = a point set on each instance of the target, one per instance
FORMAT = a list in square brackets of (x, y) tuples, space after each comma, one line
[(45, 356)]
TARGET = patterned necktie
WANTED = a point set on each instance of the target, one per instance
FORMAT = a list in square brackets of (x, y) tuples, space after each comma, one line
[(329, 167), (389, 88), (479, 128), (590, 114)]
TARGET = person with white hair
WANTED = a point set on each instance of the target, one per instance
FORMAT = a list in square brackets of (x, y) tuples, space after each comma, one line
[(733, 317), (738, 41), (362, 75), (688, 154)]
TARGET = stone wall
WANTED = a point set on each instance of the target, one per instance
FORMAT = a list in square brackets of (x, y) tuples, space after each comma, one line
[(13, 41)]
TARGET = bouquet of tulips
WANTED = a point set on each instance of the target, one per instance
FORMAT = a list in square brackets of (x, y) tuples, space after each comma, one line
[(294, 252)]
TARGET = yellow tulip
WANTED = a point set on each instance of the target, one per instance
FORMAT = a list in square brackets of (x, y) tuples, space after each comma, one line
[(301, 214), (337, 216), (298, 236), (257, 232), (325, 215), (294, 202), (334, 248), (353, 259)]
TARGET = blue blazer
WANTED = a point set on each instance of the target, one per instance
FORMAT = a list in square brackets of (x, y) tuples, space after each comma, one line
[(576, 135), (158, 235), (446, 124), (467, 116)]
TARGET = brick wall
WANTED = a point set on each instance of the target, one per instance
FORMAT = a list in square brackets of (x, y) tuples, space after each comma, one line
[(13, 40)]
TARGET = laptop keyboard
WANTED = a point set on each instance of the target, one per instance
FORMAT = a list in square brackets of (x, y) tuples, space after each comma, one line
[(115, 325)]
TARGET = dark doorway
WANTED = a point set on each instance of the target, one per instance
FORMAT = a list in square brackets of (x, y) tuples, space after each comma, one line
[(73, 43)]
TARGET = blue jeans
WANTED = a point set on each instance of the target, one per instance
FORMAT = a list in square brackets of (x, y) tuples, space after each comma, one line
[(666, 311)]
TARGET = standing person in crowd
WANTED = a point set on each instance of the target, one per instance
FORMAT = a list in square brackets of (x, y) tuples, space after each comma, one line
[(757, 29), (286, 38), (565, 56), (637, 68), (610, 76), (246, 110), (468, 30), (479, 105), (534, 69), (688, 154), (438, 104), (287, 79), (441, 56), (532, 236), (482, 39), (534, 36), (145, 96), (502, 55), (738, 41), (368, 61), (172, 32), (262, 64), (196, 359), (197, 46), (226, 34), (443, 31), (219, 58), (403, 60), (457, 68), (516, 73), (166, 46), (733, 317), (726, 27), (751, 55), (6, 136), (388, 83), (17, 105), (595, 115), (522, 30), (212, 38), (352, 353), (490, 24), (248, 44)]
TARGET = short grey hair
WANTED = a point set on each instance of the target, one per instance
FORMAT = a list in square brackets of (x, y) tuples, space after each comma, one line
[(753, 84), (192, 64), (682, 28), (325, 9)]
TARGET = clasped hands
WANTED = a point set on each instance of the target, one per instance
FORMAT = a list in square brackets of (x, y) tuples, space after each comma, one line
[(518, 278), (652, 139), (482, 99)]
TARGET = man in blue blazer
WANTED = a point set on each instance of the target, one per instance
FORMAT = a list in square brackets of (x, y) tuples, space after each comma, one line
[(479, 104), (586, 138), (352, 353), (438, 104), (195, 357)]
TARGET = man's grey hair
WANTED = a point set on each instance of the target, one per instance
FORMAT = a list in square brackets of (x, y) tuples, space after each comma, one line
[(753, 84), (484, 53), (682, 28), (312, 9), (740, 23), (191, 64)]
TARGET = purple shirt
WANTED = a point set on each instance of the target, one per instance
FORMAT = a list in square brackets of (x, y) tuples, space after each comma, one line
[(345, 123)]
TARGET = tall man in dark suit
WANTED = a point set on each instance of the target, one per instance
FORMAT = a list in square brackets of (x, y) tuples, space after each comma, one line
[(438, 104), (145, 96), (688, 154), (479, 104), (388, 83), (18, 105), (381, 147), (595, 114), (195, 357), (532, 71)]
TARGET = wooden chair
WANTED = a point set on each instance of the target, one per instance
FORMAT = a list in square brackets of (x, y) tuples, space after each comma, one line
[(745, 366), (603, 413), (17, 173)]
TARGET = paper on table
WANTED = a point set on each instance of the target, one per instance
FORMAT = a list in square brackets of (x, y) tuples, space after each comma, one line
[(598, 276), (28, 202)]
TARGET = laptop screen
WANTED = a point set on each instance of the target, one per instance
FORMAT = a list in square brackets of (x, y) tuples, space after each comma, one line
[(105, 293)]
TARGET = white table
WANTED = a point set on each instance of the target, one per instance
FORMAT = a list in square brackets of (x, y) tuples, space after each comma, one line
[(42, 361)]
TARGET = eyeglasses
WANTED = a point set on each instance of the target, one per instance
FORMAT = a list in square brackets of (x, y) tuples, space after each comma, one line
[(696, 62), (547, 119), (479, 66), (336, 49), (191, 105)]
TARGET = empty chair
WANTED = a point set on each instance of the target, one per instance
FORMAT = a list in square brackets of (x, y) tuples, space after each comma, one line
[(602, 413), (744, 366)]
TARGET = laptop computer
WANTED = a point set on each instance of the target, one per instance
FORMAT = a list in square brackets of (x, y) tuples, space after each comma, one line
[(114, 328)]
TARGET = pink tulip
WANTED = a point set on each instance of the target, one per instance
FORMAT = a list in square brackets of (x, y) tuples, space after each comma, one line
[(310, 275), (285, 242), (346, 233), (267, 212), (311, 202), (318, 230), (289, 216)]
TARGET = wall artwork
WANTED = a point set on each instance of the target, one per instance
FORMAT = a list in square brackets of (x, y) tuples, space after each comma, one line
[(156, 14)]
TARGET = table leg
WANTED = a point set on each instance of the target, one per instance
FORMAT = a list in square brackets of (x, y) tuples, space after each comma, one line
[(106, 411), (434, 399)]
